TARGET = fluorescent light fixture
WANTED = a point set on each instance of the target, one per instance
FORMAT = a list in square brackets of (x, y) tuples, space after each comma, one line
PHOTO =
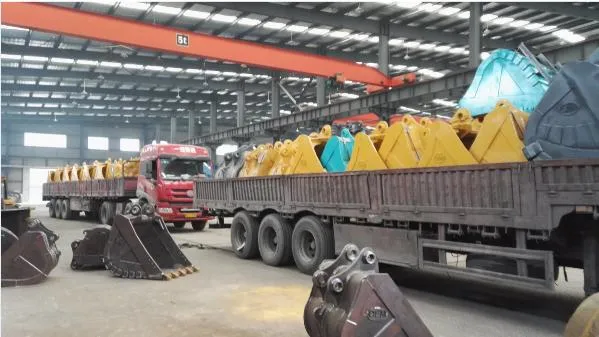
[(502, 20), (464, 15), (10, 57), (110, 64), (193, 71), (407, 4), (246, 75), (166, 10), (212, 72), (14, 28), (87, 62), (133, 66), (350, 96), (405, 108), (411, 44), (428, 7), (248, 22), (372, 65), (444, 102), (230, 73), (373, 39), (285, 112), (155, 68), (398, 66), (135, 5), (442, 49), (319, 31), (519, 23), (62, 60), (293, 78), (488, 17), (35, 58), (484, 55), (534, 26), (396, 42), (458, 50), (568, 36), (359, 37), (546, 29), (426, 46), (447, 11), (412, 68), (223, 18), (174, 69), (195, 14), (297, 28), (339, 34)]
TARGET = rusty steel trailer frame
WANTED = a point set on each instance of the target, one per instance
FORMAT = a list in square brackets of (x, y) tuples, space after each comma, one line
[(380, 209)]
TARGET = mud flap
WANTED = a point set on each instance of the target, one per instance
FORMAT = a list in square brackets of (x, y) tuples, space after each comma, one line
[(28, 259), (442, 147), (88, 253), (140, 246), (350, 298)]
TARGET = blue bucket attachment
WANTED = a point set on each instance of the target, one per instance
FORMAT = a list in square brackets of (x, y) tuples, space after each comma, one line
[(505, 74), (337, 152)]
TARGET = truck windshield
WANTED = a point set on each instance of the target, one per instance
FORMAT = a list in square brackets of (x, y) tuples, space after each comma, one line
[(181, 169)]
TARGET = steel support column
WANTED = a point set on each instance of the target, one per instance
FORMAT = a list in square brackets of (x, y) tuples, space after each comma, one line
[(275, 96), (320, 91), (191, 124), (157, 134), (213, 105), (384, 48), (173, 129), (241, 104), (475, 33)]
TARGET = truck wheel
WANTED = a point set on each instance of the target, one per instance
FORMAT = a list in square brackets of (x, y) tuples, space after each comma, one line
[(106, 213), (66, 209), (179, 224), (52, 208), (199, 225), (311, 243), (274, 240), (244, 235)]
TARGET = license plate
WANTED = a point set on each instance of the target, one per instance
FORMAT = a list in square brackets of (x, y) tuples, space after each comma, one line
[(190, 215)]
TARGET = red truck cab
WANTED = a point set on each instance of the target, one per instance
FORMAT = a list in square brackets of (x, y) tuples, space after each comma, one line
[(167, 172)]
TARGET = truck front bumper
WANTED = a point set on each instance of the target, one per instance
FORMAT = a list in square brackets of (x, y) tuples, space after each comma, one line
[(176, 214)]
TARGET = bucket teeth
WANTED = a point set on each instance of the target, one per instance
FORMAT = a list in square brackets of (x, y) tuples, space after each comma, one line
[(191, 270)]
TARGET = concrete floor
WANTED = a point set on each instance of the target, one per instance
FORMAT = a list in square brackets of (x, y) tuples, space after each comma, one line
[(232, 297)]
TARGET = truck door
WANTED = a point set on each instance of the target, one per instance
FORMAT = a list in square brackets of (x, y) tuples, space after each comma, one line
[(147, 181)]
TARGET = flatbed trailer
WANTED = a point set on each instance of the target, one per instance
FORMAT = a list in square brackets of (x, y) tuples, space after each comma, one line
[(515, 222), (97, 198)]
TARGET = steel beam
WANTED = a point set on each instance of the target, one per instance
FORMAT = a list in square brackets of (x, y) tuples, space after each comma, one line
[(173, 129), (275, 96), (560, 8), (475, 34), (110, 29), (320, 91), (240, 105), (157, 134), (191, 123), (384, 48), (355, 23), (213, 113)]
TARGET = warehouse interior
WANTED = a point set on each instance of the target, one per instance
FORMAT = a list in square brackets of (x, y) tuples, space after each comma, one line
[(235, 75)]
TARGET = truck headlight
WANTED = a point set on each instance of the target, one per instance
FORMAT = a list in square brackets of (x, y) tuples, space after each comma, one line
[(165, 210), (190, 193)]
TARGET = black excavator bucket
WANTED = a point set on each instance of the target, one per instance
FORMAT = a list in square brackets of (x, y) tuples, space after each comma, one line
[(350, 298), (29, 258), (140, 246), (88, 253)]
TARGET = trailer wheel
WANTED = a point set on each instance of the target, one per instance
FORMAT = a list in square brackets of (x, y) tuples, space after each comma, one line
[(199, 225), (244, 235), (311, 243), (66, 209), (274, 240), (179, 224), (106, 213), (52, 208)]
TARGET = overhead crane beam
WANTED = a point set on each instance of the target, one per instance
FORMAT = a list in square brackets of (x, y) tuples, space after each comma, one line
[(59, 20)]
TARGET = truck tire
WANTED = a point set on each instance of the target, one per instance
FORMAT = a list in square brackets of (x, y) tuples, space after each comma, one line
[(199, 225), (244, 235), (66, 209), (311, 243), (507, 266), (274, 240), (179, 224), (107, 213), (52, 208)]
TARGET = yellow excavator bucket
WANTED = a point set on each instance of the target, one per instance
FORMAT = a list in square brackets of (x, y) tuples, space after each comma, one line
[(250, 165), (306, 152), (117, 168), (465, 126), (108, 169), (365, 156), (443, 147), (283, 159), (73, 176), (96, 170), (500, 138), (65, 176), (267, 158), (402, 146), (131, 167), (84, 172), (51, 176)]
